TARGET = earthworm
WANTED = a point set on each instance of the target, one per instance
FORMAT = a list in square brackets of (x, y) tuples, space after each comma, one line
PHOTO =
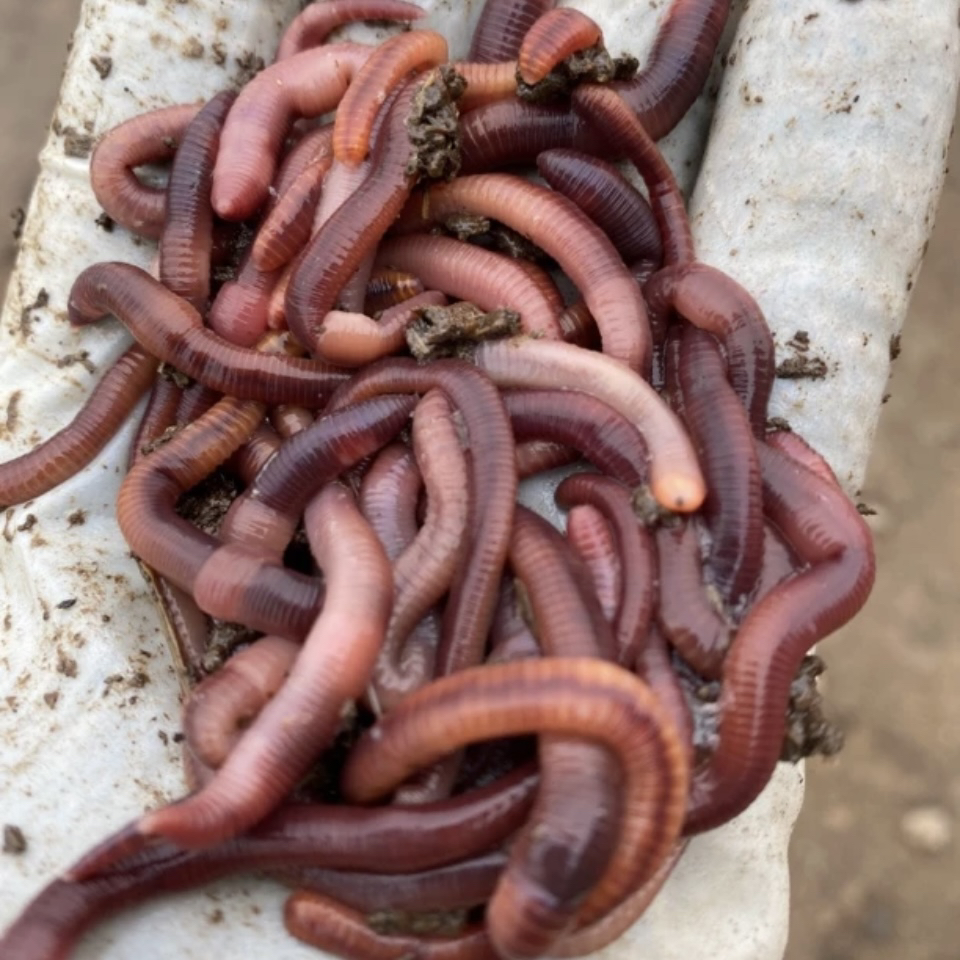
[(390, 63), (170, 329), (720, 429), (159, 416), (187, 238), (608, 198), (584, 423), (778, 563), (675, 477), (388, 497), (240, 310), (307, 84), (586, 698), (563, 231), (537, 456), (566, 845), (635, 549), (489, 280), (255, 454), (149, 138), (577, 326), (486, 83), (826, 532), (312, 26), (222, 705), (72, 448), (555, 35), (423, 572), (313, 147), (386, 288), (502, 26), (794, 446), (301, 719), (289, 420), (195, 401), (616, 122), (188, 627), (354, 339), (493, 477), (655, 667), (592, 541), (678, 65), (713, 301), (689, 617)]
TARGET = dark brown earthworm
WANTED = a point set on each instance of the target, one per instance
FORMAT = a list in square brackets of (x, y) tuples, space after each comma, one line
[(170, 329), (617, 123), (678, 65), (312, 26), (715, 302), (386, 288), (489, 280), (563, 231), (502, 26), (635, 548), (826, 532), (675, 477), (388, 498), (149, 138), (494, 481), (593, 542), (307, 84), (556, 35), (608, 198), (721, 431), (69, 450), (187, 239)]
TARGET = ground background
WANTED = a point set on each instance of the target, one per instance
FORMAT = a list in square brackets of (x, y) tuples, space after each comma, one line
[(875, 862)]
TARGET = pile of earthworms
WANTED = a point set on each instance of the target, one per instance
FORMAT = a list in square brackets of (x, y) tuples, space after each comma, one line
[(504, 725)]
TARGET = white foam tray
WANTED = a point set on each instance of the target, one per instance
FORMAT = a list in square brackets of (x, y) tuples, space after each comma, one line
[(817, 192)]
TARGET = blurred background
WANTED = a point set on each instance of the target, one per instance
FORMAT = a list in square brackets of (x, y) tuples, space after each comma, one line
[(874, 859)]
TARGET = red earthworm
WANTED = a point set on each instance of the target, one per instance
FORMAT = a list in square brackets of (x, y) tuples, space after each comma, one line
[(511, 132), (675, 477), (486, 83), (73, 447), (173, 331), (502, 26), (586, 698), (187, 239), (160, 415), (678, 65), (720, 429), (795, 447), (778, 563), (342, 931), (494, 483), (195, 401), (388, 498), (617, 123), (489, 280), (342, 838), (312, 26), (537, 456), (601, 434), (186, 624), (286, 229), (452, 887), (635, 548), (655, 668), (563, 231), (386, 288), (578, 327), (593, 542), (508, 625), (689, 616), (307, 84), (240, 311), (423, 572), (826, 532), (390, 63), (277, 302), (555, 35), (353, 230), (608, 198), (567, 844), (354, 339), (255, 454), (289, 420), (149, 138), (312, 148), (222, 706), (301, 720), (715, 302)]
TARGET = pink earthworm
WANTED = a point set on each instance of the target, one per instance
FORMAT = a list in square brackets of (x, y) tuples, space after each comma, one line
[(593, 542), (389, 494)]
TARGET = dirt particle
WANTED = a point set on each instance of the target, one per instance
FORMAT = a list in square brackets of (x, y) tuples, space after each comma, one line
[(67, 604), (216, 916), (27, 316), (802, 368), (18, 215), (808, 730), (775, 424), (218, 53), (249, 65), (810, 16), (51, 698), (894, 347), (865, 510), (66, 664), (82, 357), (192, 49), (13, 414), (77, 519), (76, 144), (29, 522), (14, 841), (105, 223), (800, 342), (102, 64)]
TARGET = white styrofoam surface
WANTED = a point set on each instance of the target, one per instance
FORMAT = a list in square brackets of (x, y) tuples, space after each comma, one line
[(88, 699)]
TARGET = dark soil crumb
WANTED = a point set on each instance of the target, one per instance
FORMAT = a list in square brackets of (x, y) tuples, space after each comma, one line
[(14, 841), (172, 373), (894, 346), (802, 368), (77, 518), (492, 235), (168, 434), (249, 65), (67, 604), (466, 226), (192, 49), (434, 125), (777, 424), (207, 503), (648, 511), (222, 639), (865, 510), (105, 223), (51, 698), (13, 413), (82, 358), (808, 731), (77, 144), (450, 331), (594, 65), (66, 664), (439, 923), (18, 215), (800, 341), (216, 916), (103, 65), (27, 317), (29, 522), (219, 53)]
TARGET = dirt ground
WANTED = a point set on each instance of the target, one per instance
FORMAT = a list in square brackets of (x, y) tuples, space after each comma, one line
[(875, 859)]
